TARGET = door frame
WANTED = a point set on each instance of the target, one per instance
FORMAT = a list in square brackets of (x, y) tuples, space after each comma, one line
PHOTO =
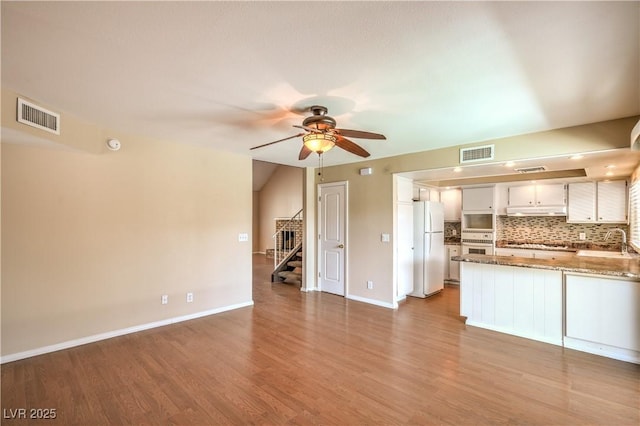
[(319, 219)]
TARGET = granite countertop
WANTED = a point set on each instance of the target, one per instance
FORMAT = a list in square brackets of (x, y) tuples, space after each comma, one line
[(625, 268)]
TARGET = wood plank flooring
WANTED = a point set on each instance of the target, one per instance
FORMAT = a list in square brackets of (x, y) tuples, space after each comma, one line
[(315, 358)]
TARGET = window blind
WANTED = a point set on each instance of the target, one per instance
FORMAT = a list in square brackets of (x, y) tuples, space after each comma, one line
[(634, 214)]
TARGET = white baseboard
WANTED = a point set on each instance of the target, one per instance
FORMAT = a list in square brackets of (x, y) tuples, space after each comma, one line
[(557, 341), (373, 301), (621, 354), (116, 333)]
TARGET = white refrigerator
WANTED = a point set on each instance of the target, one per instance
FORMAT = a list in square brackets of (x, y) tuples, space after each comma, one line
[(428, 248)]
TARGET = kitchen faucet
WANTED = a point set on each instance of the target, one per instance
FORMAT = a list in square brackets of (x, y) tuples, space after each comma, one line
[(623, 247)]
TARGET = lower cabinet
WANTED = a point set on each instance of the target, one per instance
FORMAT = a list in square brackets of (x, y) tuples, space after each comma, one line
[(525, 302), (451, 267), (514, 252), (533, 253), (603, 316)]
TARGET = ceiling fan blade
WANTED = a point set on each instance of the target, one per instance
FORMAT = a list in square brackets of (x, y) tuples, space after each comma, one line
[(360, 134), (304, 152), (350, 146), (279, 140)]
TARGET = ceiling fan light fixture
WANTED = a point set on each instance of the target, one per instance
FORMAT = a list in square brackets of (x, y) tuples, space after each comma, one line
[(319, 142)]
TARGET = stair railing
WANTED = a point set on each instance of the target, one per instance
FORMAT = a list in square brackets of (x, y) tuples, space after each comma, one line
[(287, 238)]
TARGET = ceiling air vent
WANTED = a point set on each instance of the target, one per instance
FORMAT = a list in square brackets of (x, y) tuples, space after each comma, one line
[(36, 116), (477, 153), (534, 169)]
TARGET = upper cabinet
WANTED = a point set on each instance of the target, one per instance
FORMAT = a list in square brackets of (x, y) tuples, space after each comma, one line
[(422, 193), (537, 195), (451, 198), (598, 202), (404, 189), (478, 198)]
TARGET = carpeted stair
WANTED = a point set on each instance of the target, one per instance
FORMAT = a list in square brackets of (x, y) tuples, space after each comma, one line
[(293, 272)]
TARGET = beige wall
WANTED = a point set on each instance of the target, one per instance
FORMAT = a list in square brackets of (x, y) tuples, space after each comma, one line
[(92, 238), (370, 203), (280, 197)]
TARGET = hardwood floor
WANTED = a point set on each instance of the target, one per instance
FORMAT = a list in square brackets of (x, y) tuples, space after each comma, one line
[(315, 358)]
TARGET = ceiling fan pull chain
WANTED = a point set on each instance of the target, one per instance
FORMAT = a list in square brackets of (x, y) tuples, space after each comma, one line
[(321, 166)]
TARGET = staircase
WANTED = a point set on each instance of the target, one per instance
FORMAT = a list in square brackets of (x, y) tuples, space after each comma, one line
[(290, 270), (287, 252)]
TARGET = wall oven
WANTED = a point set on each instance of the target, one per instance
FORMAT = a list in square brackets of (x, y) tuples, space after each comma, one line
[(477, 242)]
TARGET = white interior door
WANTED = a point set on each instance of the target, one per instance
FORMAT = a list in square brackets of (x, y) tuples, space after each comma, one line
[(332, 228), (405, 249)]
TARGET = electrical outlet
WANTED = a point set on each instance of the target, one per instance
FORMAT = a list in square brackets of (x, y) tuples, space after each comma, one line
[(165, 299), (454, 232), (370, 285), (189, 297), (582, 236)]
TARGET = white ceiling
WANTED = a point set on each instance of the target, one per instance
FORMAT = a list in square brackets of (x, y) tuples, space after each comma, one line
[(232, 75)]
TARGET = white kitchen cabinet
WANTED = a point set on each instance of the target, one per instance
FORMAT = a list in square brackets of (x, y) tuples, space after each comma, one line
[(582, 202), (525, 302), (602, 316), (537, 195), (422, 193), (597, 202), (451, 267), (552, 254), (404, 248), (404, 189), (513, 252), (501, 199), (478, 198), (533, 253), (611, 201), (452, 200)]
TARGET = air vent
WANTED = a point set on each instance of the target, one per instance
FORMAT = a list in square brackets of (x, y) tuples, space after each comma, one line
[(534, 169), (478, 153), (38, 117)]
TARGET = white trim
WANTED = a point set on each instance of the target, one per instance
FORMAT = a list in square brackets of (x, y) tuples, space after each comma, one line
[(508, 330), (115, 333), (373, 301), (601, 349)]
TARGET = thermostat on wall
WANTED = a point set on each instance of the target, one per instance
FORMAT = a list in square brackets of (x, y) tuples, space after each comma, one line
[(366, 171)]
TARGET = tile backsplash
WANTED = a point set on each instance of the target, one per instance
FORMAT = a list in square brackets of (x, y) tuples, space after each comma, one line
[(452, 230), (555, 229)]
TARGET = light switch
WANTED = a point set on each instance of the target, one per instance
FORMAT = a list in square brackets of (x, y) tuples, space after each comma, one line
[(243, 237), (384, 238)]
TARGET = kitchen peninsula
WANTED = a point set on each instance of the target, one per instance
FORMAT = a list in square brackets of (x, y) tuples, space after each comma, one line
[(590, 304)]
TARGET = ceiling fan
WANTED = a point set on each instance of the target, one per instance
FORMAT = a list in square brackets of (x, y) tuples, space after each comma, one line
[(321, 135)]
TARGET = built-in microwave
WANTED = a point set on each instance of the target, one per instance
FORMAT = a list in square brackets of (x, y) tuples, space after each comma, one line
[(478, 221)]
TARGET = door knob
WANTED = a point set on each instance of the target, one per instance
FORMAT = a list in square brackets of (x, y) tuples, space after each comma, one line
[(341, 246)]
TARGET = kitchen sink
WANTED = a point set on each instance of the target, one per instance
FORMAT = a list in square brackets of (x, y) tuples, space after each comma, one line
[(604, 253)]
